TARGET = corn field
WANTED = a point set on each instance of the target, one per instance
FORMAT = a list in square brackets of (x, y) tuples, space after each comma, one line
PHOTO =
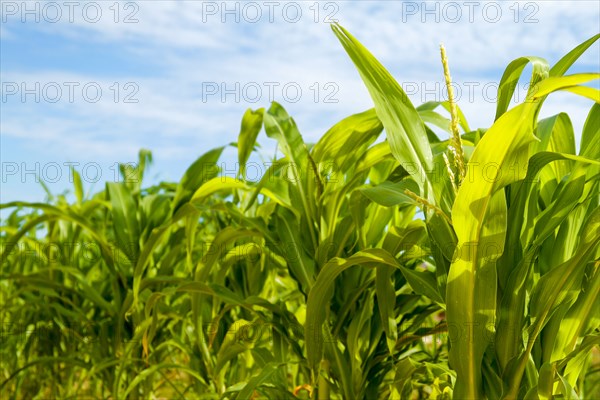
[(381, 262)]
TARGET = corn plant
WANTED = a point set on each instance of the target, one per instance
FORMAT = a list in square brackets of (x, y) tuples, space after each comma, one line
[(380, 262), (495, 265)]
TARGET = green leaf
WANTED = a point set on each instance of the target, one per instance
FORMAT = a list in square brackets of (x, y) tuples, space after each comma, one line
[(251, 124), (218, 184), (320, 294), (405, 130), (479, 219), (390, 194), (564, 63), (510, 79), (568, 82), (428, 115), (590, 143), (343, 143), (557, 288), (77, 185), (562, 283), (257, 380), (125, 223), (280, 126), (582, 318), (302, 267), (203, 169), (386, 299), (319, 297)]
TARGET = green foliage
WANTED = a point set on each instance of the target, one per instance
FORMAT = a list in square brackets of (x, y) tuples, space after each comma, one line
[(323, 280)]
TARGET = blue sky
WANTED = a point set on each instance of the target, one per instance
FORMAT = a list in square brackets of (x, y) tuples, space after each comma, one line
[(94, 83)]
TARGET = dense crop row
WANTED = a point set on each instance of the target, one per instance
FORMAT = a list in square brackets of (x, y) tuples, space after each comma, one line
[(410, 267)]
